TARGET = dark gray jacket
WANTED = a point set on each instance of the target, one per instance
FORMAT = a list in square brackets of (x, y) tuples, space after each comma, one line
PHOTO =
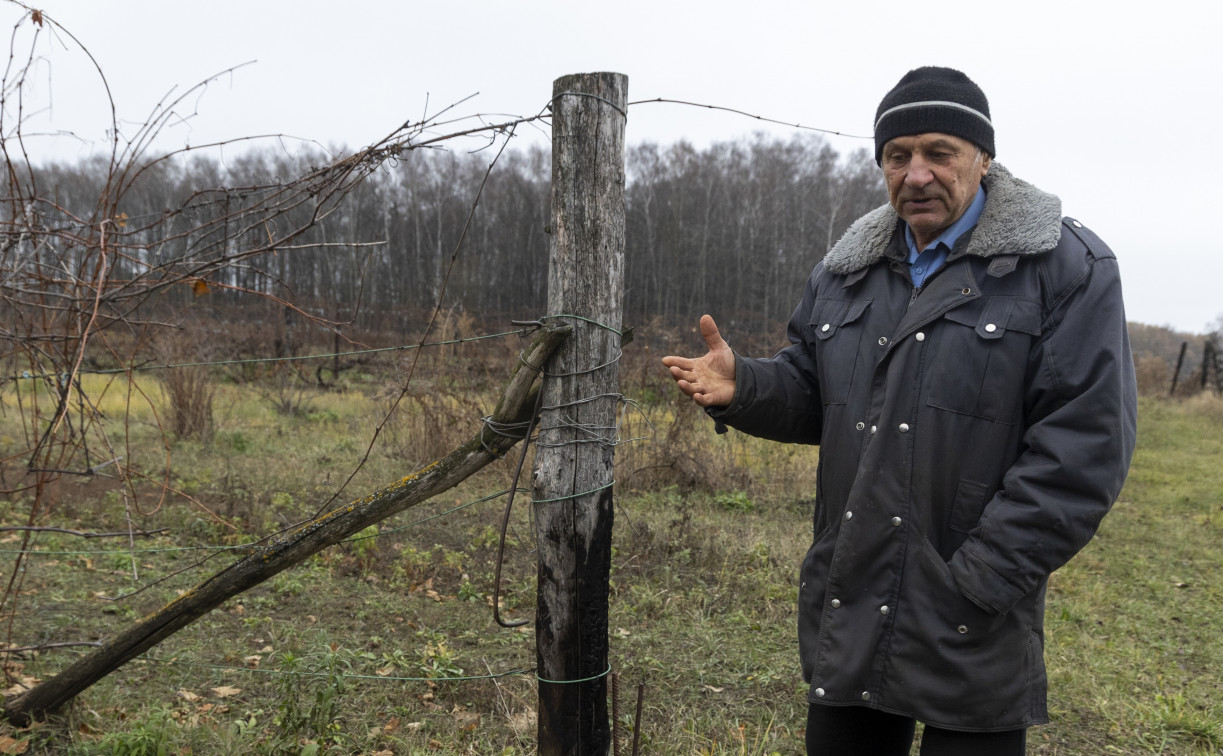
[(972, 435)]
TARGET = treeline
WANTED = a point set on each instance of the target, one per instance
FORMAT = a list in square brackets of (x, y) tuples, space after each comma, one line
[(735, 227)]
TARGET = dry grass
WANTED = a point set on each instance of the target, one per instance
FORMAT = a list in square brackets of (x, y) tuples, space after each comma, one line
[(709, 533)]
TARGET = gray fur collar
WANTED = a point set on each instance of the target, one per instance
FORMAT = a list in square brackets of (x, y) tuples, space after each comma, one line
[(1018, 219)]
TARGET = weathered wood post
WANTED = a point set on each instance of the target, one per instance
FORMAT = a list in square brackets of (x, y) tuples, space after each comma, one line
[(573, 464), (1177, 373)]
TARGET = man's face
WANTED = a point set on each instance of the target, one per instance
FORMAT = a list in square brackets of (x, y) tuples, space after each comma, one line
[(932, 179)]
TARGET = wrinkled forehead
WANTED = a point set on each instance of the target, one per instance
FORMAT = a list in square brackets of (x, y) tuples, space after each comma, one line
[(929, 140)]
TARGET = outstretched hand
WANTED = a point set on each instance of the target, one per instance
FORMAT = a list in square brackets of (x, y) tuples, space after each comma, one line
[(710, 379)]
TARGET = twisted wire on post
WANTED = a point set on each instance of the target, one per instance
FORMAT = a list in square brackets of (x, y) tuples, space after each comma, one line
[(604, 435), (505, 430)]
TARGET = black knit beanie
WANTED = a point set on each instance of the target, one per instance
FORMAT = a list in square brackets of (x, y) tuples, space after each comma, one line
[(934, 99)]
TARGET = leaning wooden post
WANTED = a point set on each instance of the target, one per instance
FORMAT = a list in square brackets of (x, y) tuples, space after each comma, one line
[(573, 464)]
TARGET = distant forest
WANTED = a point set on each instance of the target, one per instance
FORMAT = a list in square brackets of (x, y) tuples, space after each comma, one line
[(733, 228)]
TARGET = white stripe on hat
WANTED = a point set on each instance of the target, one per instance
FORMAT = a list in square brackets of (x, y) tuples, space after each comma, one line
[(934, 103)]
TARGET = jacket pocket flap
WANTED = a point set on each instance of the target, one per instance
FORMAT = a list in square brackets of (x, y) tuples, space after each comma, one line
[(993, 317), (835, 314)]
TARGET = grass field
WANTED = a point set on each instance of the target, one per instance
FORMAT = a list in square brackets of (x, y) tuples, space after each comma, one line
[(357, 650)]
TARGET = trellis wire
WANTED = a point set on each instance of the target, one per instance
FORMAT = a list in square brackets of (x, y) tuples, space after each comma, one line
[(26, 375)]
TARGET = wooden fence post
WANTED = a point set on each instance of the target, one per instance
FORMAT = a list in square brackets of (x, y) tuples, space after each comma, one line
[(573, 464)]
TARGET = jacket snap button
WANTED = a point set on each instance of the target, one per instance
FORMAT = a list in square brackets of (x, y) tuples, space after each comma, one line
[(990, 328), (866, 695), (1077, 224), (836, 603), (874, 428), (883, 610), (920, 336), (860, 426), (896, 521), (819, 692), (883, 340), (826, 326), (849, 516), (904, 427), (962, 629), (966, 291)]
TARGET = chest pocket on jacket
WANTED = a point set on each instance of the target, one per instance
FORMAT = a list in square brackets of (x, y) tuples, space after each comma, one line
[(835, 332), (982, 358)]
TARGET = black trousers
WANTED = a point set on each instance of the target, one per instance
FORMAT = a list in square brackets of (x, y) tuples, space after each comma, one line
[(859, 731)]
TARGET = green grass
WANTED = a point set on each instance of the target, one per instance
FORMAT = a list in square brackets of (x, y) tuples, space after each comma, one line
[(350, 652), (1134, 649)]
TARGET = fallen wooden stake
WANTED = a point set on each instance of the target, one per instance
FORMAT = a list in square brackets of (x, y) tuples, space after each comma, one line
[(514, 409)]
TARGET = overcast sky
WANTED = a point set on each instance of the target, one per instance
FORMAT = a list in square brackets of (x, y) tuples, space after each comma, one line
[(1108, 105)]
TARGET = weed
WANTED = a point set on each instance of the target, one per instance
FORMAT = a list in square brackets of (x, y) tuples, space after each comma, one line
[(734, 501), (235, 441), (288, 584), (150, 736), (437, 659), (468, 592), (310, 704)]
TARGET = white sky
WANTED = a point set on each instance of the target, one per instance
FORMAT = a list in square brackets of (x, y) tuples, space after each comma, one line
[(1108, 105)]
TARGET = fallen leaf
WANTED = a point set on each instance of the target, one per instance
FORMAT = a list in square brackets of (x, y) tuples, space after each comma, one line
[(24, 683), (187, 695), (384, 672), (712, 689), (466, 719), (9, 745), (225, 691), (433, 595), (622, 632), (252, 661), (391, 725)]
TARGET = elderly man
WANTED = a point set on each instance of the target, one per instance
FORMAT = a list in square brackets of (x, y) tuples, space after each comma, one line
[(961, 357)]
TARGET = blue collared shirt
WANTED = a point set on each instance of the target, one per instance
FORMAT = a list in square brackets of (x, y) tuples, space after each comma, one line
[(924, 262)]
